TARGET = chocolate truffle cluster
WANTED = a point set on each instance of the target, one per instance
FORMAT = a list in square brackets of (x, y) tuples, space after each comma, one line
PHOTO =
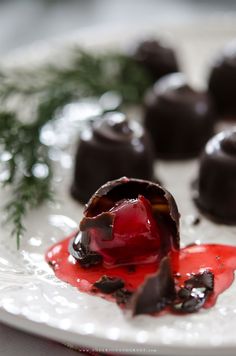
[(178, 121)]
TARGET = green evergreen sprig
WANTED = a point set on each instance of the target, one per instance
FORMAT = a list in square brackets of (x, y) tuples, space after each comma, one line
[(46, 90)]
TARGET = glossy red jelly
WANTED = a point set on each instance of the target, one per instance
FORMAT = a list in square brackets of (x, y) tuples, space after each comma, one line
[(135, 235), (219, 259)]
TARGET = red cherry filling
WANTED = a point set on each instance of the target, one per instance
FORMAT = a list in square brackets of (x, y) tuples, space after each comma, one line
[(135, 235)]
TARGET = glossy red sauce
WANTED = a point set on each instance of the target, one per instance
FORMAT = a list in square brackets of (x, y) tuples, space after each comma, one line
[(219, 259), (135, 235)]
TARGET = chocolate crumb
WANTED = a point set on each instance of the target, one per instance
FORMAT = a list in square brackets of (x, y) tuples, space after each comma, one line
[(131, 269), (156, 293), (109, 285), (190, 305), (52, 264), (195, 292), (184, 293), (196, 220), (122, 296)]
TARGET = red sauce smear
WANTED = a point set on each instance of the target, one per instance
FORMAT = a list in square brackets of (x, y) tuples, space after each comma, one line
[(219, 259)]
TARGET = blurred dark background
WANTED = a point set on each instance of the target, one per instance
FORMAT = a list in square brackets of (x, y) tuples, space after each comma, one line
[(24, 21)]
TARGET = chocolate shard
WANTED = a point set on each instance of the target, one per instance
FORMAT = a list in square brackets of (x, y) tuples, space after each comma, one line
[(195, 292), (109, 285), (156, 292), (103, 222), (190, 305), (205, 279), (184, 293), (82, 253)]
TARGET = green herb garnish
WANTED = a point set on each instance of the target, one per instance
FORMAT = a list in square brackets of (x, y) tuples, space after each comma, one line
[(45, 90)]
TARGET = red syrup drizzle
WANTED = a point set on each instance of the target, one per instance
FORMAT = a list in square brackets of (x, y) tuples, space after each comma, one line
[(219, 259)]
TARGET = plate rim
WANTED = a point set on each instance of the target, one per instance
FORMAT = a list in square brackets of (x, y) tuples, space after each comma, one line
[(80, 341)]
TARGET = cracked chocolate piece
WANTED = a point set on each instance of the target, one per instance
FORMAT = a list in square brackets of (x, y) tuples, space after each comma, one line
[(82, 253), (126, 222), (109, 284), (201, 280), (195, 292), (190, 305), (156, 292)]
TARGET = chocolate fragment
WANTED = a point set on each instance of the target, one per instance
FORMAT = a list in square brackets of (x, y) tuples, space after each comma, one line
[(190, 305), (178, 118), (205, 280), (52, 264), (196, 220), (81, 252), (104, 223), (215, 191), (122, 296), (156, 292), (109, 284), (195, 292)]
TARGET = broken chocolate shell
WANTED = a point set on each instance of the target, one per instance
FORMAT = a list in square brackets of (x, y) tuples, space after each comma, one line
[(109, 284), (122, 296), (156, 292), (98, 215), (193, 295)]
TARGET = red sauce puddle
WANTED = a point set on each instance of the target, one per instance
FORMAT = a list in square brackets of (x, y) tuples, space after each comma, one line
[(219, 259)]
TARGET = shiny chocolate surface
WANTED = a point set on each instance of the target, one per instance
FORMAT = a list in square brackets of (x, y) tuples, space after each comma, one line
[(111, 147), (216, 187), (179, 119)]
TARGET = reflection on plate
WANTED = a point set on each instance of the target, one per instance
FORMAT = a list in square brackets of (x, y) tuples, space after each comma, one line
[(31, 297)]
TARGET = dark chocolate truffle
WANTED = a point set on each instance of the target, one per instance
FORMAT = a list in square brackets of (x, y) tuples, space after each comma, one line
[(216, 186), (222, 83), (179, 119), (158, 58), (112, 147)]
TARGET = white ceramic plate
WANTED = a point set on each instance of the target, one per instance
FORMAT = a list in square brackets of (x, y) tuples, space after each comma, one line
[(32, 299)]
